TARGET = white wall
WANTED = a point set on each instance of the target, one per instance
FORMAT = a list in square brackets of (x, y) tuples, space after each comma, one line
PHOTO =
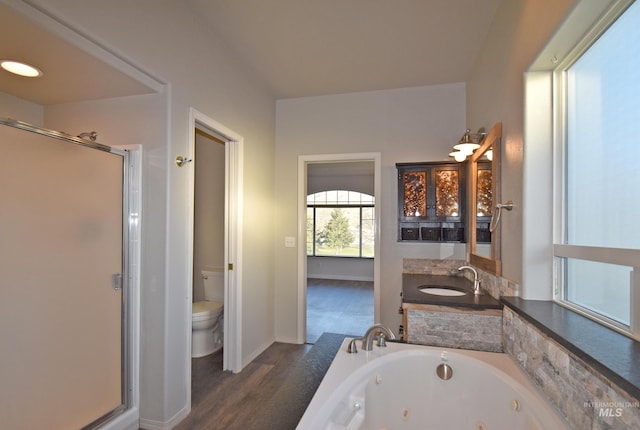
[(166, 40), (495, 92), (21, 110), (411, 124)]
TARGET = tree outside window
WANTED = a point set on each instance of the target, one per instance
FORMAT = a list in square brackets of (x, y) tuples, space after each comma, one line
[(340, 223)]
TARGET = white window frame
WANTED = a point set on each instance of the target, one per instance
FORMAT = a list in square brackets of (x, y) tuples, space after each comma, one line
[(562, 250), (347, 205)]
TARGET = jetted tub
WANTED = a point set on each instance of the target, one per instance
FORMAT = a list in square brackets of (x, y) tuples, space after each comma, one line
[(399, 387)]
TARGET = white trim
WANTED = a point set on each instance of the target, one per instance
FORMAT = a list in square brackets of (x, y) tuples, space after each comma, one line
[(619, 256), (303, 161), (232, 343), (635, 303), (232, 349), (537, 183)]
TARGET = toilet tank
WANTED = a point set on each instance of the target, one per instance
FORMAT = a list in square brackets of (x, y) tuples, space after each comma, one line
[(213, 285)]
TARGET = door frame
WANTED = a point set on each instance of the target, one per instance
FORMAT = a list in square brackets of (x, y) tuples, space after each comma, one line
[(232, 346), (303, 161)]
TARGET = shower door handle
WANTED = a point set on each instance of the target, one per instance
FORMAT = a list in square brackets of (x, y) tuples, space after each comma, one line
[(117, 281)]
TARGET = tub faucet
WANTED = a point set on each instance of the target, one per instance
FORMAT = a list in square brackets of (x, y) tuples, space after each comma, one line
[(476, 281), (372, 332)]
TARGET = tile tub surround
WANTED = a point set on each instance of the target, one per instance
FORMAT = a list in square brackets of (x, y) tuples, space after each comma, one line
[(574, 381), (450, 327)]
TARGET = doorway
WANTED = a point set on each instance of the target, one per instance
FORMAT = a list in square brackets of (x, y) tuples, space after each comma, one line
[(341, 280), (226, 255)]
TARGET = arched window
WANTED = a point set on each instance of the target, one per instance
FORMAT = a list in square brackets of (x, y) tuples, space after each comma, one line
[(340, 224)]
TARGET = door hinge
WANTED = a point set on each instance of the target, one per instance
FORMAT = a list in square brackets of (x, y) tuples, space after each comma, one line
[(230, 266), (117, 281)]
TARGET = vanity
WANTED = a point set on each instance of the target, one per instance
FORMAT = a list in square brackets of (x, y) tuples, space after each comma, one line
[(442, 310), (439, 307)]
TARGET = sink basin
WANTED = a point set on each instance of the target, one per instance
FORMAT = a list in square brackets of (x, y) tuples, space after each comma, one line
[(439, 291)]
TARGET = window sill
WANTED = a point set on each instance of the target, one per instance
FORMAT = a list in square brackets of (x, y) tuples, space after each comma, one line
[(610, 353)]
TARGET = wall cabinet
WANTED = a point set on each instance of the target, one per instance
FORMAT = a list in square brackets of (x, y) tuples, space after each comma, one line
[(431, 202)]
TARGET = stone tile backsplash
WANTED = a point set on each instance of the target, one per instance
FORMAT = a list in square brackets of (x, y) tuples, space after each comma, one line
[(496, 286), (428, 266)]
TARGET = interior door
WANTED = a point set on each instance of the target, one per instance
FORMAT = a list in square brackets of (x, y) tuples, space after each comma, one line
[(61, 243)]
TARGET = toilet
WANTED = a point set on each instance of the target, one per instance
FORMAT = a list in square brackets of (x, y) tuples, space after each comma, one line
[(206, 316)]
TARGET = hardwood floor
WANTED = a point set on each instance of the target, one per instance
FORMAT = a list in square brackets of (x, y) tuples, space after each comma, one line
[(227, 401)]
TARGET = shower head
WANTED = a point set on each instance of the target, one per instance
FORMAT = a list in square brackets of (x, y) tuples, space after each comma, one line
[(91, 135)]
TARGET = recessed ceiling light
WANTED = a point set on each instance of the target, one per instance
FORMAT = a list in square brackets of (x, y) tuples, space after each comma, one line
[(21, 69)]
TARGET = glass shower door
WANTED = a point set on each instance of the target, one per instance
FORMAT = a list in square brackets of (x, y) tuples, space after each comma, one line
[(61, 248)]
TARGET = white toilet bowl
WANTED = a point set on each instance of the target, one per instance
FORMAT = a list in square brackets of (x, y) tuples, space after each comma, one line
[(206, 324)]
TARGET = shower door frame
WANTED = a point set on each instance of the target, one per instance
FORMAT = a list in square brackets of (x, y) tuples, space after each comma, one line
[(129, 278)]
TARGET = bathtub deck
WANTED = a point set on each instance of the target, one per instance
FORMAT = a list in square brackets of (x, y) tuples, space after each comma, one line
[(272, 392)]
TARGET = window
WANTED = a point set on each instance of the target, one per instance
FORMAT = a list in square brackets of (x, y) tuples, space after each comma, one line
[(597, 246), (340, 224)]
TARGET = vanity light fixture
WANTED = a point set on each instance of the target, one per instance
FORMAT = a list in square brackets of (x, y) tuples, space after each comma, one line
[(20, 68), (467, 144)]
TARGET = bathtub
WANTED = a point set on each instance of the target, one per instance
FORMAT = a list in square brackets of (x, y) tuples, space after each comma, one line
[(398, 387)]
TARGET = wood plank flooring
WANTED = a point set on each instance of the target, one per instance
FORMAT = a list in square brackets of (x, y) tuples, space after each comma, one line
[(226, 401)]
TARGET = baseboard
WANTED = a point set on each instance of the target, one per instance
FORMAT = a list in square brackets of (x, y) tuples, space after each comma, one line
[(168, 425), (340, 277), (257, 352), (287, 340)]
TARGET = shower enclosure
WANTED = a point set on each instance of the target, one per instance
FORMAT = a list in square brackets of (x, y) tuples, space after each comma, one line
[(64, 223)]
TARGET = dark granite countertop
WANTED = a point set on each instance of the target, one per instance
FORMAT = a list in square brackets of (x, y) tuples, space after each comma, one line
[(411, 284), (612, 354), (287, 405)]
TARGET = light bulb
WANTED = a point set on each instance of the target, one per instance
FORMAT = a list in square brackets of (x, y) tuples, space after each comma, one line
[(21, 69), (459, 156)]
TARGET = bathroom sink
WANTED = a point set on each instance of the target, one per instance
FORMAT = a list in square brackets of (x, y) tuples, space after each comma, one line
[(440, 291)]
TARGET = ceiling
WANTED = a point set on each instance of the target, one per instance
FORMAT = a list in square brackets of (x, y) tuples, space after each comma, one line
[(298, 47), (316, 47), (69, 73)]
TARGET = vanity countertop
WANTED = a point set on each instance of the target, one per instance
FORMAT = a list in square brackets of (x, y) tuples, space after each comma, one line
[(412, 283)]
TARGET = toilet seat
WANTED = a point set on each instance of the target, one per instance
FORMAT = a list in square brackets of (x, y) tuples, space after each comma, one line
[(206, 310)]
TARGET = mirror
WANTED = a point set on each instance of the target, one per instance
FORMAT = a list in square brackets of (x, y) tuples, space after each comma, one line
[(484, 246)]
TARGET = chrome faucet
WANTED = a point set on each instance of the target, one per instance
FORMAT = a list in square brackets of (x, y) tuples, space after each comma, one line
[(376, 329), (476, 281)]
